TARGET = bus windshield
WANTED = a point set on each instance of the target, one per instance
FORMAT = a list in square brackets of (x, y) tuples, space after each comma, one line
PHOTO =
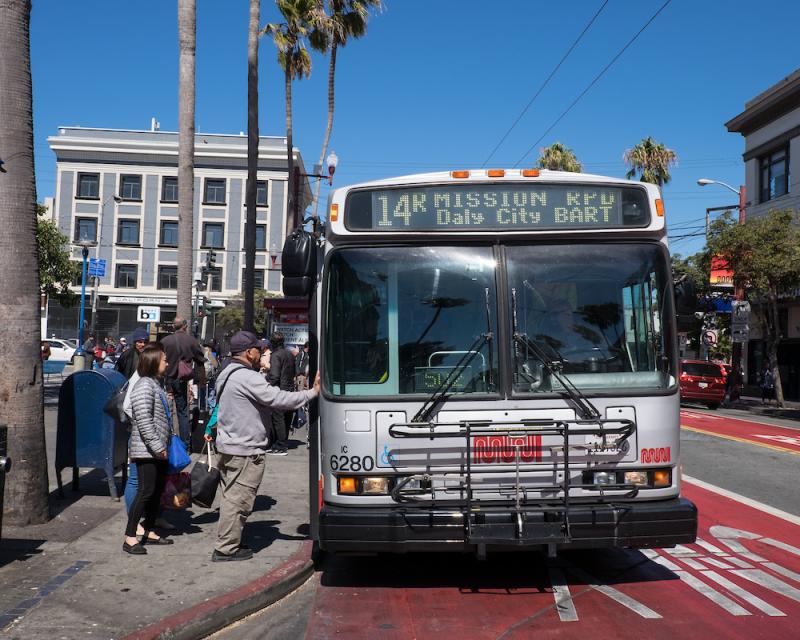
[(400, 319), (599, 311)]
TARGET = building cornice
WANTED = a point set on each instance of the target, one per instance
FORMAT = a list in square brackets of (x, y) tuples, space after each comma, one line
[(776, 101)]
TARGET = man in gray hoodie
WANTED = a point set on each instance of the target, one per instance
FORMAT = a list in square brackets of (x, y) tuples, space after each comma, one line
[(246, 403)]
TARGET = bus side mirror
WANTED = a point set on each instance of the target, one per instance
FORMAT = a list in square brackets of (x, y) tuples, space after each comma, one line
[(685, 305), (299, 264)]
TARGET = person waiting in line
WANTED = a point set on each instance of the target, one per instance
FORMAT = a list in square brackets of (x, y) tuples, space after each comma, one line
[(767, 385), (281, 374), (246, 404), (151, 429), (181, 347), (129, 359)]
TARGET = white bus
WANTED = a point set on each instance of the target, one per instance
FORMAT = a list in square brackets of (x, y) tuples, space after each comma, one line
[(499, 364)]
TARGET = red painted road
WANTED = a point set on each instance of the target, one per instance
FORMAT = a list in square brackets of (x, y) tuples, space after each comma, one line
[(742, 580), (733, 428)]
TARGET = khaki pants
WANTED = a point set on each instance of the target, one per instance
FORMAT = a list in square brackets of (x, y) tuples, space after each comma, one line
[(240, 477)]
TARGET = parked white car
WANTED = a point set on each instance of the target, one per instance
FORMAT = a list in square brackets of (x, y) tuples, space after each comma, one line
[(61, 349)]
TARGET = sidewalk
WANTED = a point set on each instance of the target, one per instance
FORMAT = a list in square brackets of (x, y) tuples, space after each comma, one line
[(753, 406), (69, 578)]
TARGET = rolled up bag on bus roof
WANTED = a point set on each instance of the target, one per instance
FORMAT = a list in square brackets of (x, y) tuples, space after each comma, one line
[(299, 263)]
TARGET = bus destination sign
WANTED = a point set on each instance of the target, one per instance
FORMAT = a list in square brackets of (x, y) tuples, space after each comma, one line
[(497, 207)]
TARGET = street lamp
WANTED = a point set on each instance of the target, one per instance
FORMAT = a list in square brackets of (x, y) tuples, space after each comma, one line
[(79, 361), (332, 161), (736, 355)]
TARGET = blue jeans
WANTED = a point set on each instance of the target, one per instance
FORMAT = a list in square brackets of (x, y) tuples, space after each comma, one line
[(131, 486)]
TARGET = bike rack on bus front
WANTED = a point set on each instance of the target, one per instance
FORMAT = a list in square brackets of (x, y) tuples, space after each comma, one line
[(481, 533)]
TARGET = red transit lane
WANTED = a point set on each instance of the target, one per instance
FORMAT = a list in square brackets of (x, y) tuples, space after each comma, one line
[(741, 579), (724, 426)]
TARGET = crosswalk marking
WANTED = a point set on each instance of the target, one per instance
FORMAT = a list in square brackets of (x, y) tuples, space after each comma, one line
[(782, 570), (712, 594), (616, 595), (710, 547), (562, 596), (748, 597), (714, 562), (769, 582)]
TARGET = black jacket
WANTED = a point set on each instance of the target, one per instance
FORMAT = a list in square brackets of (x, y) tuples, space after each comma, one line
[(128, 362), (281, 369)]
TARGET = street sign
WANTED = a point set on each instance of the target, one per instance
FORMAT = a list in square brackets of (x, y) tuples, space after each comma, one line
[(148, 314), (97, 267), (709, 337), (740, 335)]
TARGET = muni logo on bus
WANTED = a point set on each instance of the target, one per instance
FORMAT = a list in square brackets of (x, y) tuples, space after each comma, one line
[(503, 448)]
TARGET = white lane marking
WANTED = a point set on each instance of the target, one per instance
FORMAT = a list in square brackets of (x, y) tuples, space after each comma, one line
[(739, 548), (769, 582), (693, 564), (564, 604), (623, 599), (783, 439), (782, 570), (710, 547), (712, 594), (745, 595), (739, 562), (704, 416), (667, 564), (740, 498), (781, 545), (717, 563), (679, 551)]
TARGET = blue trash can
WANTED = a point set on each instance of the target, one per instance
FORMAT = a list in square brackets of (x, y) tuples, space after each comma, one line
[(86, 435)]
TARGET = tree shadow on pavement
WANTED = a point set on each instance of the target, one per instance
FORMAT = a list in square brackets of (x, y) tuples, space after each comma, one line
[(261, 534), (13, 549)]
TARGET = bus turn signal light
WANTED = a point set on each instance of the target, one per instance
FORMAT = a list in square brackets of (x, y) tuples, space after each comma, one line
[(334, 213), (661, 478), (348, 485), (530, 173), (496, 173), (459, 174), (659, 207)]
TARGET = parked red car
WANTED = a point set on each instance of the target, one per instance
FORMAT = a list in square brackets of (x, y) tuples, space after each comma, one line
[(702, 381)]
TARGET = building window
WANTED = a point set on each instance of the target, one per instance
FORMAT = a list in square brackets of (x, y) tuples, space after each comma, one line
[(169, 189), (774, 174), (85, 229), (169, 234), (213, 235), (215, 191), (258, 279), (261, 193), (128, 232), (126, 276), (215, 278), (261, 237), (130, 187), (168, 277), (89, 186)]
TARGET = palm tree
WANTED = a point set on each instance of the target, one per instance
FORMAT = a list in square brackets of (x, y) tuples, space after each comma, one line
[(651, 160), (301, 18), (21, 399), (187, 40), (347, 19), (252, 163), (557, 157)]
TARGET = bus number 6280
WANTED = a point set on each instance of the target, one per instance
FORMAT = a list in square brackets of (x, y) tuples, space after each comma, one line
[(352, 463)]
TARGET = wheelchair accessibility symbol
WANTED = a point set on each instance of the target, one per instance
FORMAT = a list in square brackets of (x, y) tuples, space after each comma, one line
[(386, 456)]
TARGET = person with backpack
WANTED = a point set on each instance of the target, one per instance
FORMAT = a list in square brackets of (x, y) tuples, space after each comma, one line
[(281, 374), (245, 405), (183, 353)]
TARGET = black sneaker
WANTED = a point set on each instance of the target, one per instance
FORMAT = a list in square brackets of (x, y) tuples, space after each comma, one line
[(242, 553)]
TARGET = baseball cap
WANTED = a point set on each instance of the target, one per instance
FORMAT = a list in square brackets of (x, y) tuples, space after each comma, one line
[(244, 340)]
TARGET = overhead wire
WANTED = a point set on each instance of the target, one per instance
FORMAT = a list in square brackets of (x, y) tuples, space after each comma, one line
[(594, 81), (545, 83)]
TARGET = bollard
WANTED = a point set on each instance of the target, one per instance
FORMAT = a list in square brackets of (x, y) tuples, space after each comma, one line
[(5, 467)]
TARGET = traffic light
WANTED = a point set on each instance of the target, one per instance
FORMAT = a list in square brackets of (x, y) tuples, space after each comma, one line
[(211, 258)]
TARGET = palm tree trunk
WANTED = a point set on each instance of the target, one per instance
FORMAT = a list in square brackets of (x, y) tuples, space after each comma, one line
[(187, 37), (292, 206), (329, 128), (21, 390), (252, 164)]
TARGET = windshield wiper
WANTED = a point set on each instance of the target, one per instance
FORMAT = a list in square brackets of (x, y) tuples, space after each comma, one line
[(553, 366), (441, 391)]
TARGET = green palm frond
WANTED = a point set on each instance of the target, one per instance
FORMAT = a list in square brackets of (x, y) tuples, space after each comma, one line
[(651, 160), (558, 157)]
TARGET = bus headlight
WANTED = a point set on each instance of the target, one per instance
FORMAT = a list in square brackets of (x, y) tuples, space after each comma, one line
[(605, 477), (375, 486), (638, 478)]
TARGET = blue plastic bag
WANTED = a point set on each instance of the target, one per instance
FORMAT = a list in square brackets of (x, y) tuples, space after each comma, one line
[(177, 457)]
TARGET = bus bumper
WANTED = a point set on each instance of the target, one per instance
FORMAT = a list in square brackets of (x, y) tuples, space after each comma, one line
[(662, 523)]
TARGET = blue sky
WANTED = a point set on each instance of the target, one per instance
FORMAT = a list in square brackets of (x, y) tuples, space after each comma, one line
[(435, 84)]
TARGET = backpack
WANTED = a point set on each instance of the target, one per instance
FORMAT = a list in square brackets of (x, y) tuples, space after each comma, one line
[(185, 370)]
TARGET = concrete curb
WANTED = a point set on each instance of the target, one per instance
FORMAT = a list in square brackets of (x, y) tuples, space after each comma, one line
[(207, 617)]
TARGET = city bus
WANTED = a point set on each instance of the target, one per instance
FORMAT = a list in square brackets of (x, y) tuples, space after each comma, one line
[(499, 365)]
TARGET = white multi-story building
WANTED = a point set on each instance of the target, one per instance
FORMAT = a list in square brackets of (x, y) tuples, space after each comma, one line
[(119, 188)]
